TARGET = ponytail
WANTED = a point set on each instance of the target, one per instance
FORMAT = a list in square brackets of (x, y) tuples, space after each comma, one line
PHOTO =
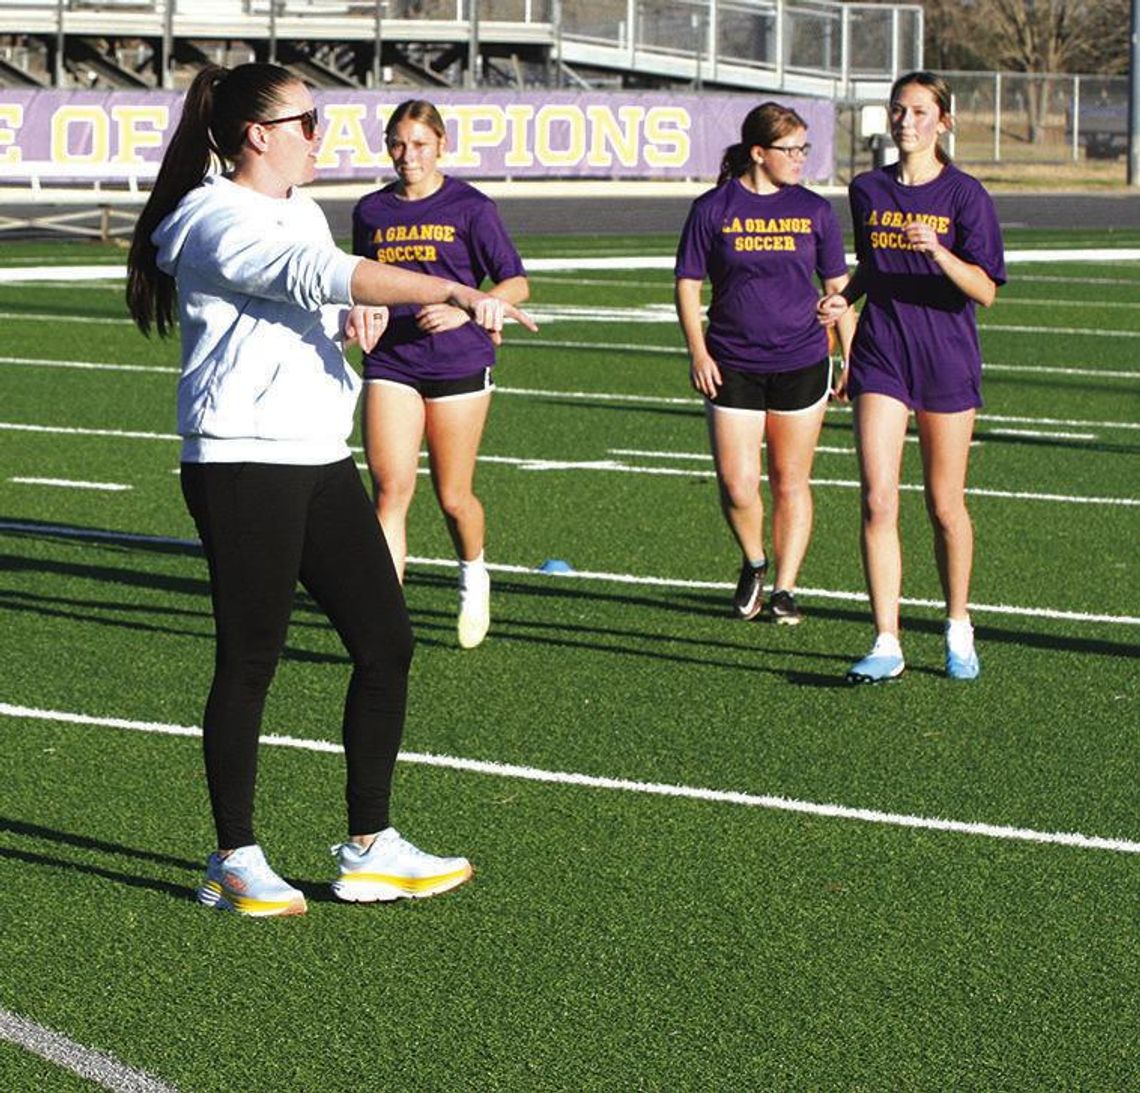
[(736, 160), (150, 292), (216, 112)]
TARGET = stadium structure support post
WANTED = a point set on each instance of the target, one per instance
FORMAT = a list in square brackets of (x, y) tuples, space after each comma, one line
[(1134, 99)]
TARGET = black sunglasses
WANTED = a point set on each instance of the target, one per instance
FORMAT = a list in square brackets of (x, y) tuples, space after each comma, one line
[(309, 122)]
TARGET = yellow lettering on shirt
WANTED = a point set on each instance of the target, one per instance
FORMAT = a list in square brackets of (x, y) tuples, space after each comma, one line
[(748, 243), (414, 252), (896, 218), (404, 233), (758, 233)]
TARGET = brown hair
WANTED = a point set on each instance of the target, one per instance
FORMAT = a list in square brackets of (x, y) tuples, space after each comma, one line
[(943, 99), (416, 110), (763, 125), (219, 106)]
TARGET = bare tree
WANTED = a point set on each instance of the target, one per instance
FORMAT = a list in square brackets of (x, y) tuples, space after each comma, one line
[(1037, 37), (1046, 37), (1028, 35)]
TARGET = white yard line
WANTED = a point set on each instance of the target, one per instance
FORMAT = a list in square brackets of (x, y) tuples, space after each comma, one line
[(548, 343), (595, 262), (1029, 301), (69, 483), (543, 463), (624, 785), (551, 315), (93, 366), (95, 1066)]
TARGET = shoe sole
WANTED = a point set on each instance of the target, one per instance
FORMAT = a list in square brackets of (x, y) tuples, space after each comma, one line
[(959, 677), (361, 890), (215, 896), (859, 678), (787, 620)]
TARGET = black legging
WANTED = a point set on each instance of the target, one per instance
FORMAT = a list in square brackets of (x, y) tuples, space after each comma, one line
[(264, 527)]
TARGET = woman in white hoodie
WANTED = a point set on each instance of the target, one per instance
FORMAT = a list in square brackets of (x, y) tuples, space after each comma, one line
[(265, 302)]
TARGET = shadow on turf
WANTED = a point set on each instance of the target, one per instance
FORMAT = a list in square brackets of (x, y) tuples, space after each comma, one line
[(308, 616), (86, 611), (705, 606), (1117, 447), (626, 407), (315, 891), (85, 842)]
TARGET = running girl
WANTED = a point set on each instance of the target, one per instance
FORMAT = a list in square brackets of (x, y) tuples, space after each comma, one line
[(430, 374)]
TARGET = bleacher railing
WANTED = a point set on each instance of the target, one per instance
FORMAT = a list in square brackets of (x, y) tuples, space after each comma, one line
[(729, 42)]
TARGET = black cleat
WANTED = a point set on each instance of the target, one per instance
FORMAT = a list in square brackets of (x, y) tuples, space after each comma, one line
[(783, 608), (748, 599)]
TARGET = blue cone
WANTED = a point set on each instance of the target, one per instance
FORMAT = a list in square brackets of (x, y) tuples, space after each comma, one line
[(555, 565)]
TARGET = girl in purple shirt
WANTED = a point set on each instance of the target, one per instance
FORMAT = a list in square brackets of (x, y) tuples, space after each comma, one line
[(762, 364), (929, 249), (430, 374)]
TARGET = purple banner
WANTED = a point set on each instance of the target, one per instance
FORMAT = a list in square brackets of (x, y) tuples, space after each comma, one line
[(68, 135)]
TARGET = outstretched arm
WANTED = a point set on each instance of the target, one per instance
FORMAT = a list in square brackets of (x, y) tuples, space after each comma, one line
[(378, 284), (436, 318)]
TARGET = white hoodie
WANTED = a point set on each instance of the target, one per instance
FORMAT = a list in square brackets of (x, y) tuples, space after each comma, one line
[(262, 290)]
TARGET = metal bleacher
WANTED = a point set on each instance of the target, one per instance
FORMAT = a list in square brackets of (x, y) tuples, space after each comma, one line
[(799, 47)]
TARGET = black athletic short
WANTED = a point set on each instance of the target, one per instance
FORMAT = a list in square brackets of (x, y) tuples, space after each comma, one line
[(788, 392), (437, 390)]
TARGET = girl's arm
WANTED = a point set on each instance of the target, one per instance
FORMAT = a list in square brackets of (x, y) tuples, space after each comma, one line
[(845, 324), (845, 328), (436, 318), (703, 371), (834, 305), (377, 284), (970, 280)]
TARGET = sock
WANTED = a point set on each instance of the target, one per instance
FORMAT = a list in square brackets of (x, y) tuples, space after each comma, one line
[(473, 573), (758, 564), (960, 635), (887, 645)]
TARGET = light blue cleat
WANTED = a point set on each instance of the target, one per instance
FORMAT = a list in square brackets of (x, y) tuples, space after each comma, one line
[(883, 663), (961, 657), (962, 665)]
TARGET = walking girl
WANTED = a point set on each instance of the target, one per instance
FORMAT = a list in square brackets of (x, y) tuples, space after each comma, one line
[(929, 250), (762, 365)]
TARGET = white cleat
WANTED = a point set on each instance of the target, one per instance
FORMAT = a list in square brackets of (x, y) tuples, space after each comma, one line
[(392, 868)]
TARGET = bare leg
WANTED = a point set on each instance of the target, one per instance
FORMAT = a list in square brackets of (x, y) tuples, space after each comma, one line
[(945, 443), (791, 448), (736, 439), (454, 430), (393, 430), (880, 430)]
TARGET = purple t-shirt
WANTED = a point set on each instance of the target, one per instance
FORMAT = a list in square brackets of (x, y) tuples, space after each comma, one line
[(917, 338), (761, 252), (455, 233)]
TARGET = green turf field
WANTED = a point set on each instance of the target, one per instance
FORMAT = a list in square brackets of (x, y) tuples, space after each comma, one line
[(703, 862)]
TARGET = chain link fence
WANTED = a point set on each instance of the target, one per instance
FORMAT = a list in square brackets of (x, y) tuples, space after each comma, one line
[(1015, 117), (1012, 123)]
